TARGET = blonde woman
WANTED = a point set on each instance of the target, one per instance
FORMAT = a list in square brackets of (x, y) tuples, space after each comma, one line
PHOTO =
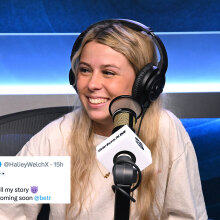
[(105, 65)]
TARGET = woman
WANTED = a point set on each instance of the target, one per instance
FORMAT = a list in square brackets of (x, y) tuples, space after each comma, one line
[(106, 65)]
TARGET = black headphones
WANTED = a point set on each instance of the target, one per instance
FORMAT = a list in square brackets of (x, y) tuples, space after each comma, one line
[(150, 81)]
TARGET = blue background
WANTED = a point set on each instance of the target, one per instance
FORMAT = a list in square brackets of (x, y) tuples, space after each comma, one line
[(61, 16)]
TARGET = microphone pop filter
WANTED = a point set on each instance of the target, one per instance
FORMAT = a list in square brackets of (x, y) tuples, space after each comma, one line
[(125, 102), (124, 110)]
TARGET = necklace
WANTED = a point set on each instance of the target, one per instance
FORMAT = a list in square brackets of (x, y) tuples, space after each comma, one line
[(107, 175), (104, 175)]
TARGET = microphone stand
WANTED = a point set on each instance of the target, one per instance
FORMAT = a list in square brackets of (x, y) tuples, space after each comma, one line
[(124, 176)]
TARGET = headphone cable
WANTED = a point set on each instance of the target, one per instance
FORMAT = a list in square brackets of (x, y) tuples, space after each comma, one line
[(145, 107)]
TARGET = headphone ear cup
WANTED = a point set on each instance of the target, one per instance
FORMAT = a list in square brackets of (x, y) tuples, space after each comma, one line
[(156, 87), (148, 85), (72, 79), (139, 84)]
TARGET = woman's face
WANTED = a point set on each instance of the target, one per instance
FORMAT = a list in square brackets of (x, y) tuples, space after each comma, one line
[(103, 74)]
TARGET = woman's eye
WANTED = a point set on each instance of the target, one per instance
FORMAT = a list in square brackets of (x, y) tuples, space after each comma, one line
[(106, 72), (83, 70)]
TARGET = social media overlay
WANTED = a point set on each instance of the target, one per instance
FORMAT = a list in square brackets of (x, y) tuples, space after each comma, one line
[(35, 179)]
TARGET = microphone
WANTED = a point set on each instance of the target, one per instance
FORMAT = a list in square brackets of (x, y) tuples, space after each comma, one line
[(125, 111)]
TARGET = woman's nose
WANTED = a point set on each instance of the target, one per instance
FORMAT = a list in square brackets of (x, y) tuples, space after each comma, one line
[(95, 81)]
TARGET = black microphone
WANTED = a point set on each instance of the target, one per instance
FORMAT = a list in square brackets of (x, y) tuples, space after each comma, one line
[(123, 154), (124, 142)]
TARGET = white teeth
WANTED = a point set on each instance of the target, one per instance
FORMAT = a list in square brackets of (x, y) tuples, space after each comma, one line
[(97, 101)]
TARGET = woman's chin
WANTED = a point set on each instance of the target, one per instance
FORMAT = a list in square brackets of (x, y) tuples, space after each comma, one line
[(100, 118)]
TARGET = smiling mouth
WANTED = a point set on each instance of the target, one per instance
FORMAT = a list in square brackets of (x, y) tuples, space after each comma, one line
[(97, 100)]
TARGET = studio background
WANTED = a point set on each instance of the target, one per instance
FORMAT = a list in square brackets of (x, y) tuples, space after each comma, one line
[(36, 39)]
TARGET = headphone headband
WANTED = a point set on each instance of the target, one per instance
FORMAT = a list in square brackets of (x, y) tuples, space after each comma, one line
[(134, 25)]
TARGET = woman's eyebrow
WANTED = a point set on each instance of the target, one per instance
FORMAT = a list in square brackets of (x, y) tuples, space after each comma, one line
[(110, 65), (102, 66), (84, 63)]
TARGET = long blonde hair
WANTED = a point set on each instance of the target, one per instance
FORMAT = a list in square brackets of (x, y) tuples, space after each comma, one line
[(139, 49)]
